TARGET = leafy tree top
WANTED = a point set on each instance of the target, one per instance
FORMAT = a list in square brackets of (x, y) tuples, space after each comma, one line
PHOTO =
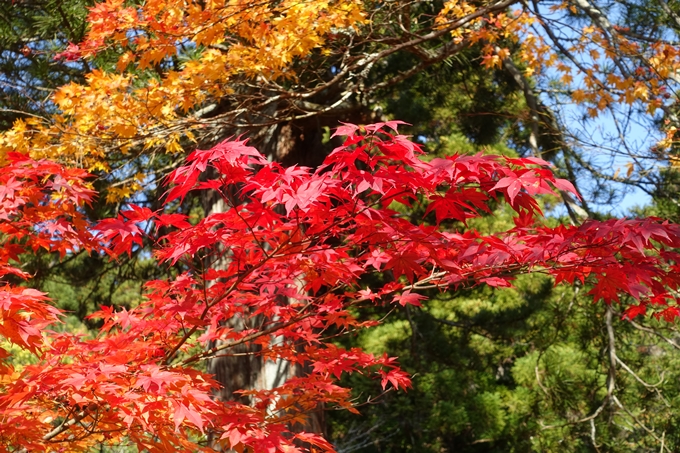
[(196, 71), (308, 236)]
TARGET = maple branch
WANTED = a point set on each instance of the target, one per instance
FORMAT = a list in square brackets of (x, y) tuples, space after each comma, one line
[(21, 112), (654, 332), (576, 212), (654, 387), (419, 284), (210, 352), (611, 377), (209, 305), (274, 253), (24, 88), (358, 438), (444, 52), (642, 425), (668, 10), (639, 184), (359, 66), (154, 172), (589, 418), (371, 400), (609, 33), (319, 109), (530, 98), (639, 379), (556, 41), (538, 377), (65, 425)]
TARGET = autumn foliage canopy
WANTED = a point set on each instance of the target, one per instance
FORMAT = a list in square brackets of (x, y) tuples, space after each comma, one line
[(296, 249)]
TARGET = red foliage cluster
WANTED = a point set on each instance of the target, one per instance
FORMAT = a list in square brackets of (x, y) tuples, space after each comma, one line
[(289, 257)]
